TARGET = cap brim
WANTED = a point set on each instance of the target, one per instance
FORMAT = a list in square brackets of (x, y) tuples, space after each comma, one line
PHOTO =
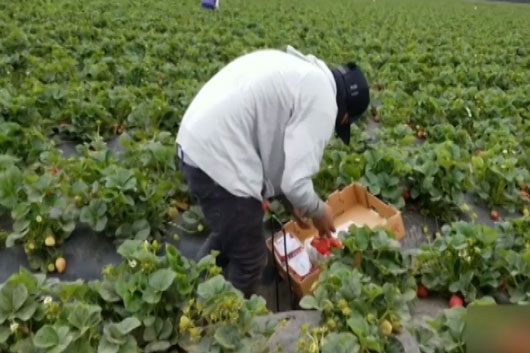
[(343, 132)]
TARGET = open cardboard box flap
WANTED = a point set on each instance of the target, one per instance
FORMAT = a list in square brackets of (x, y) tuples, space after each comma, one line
[(352, 204)]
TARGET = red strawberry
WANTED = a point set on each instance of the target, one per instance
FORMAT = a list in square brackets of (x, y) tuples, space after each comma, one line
[(264, 206), (524, 194), (335, 243), (315, 242), (421, 134), (455, 301), (422, 291), (323, 249), (321, 244), (494, 215), (406, 195)]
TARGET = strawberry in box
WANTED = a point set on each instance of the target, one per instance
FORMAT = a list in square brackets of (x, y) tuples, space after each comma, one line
[(320, 247)]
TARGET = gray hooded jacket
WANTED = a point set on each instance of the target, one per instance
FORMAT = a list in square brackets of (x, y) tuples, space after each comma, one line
[(259, 126)]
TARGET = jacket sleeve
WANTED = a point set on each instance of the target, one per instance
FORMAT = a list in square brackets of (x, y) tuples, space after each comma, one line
[(309, 129)]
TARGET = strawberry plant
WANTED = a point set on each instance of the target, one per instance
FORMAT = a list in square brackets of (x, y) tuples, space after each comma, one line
[(124, 201), (363, 306), (353, 306), (148, 302), (440, 177), (513, 250), (498, 176), (462, 259), (43, 215), (400, 134), (446, 132), (24, 143), (341, 164), (379, 256), (10, 183), (384, 171)]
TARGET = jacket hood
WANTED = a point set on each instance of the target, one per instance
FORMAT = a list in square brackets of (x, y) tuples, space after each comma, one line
[(315, 61)]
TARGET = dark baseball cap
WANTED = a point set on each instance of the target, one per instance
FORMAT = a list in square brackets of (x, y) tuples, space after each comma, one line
[(353, 97)]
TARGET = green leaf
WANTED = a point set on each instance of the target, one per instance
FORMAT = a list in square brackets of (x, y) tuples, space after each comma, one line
[(183, 284), (166, 330), (161, 279), (106, 347), (24, 346), (351, 286), (205, 345), (127, 325), (21, 226), (309, 302), (19, 296), (13, 237), (46, 337), (83, 316), (5, 332), (159, 346), (10, 184), (107, 292), (372, 291), (256, 305), (94, 214), (81, 346), (227, 337), (65, 338), (487, 235), (129, 247), (141, 229), (409, 295), (344, 342), (373, 344), (151, 296), (149, 321), (484, 301), (361, 237), (213, 287), (120, 178), (150, 334), (26, 312), (130, 346), (357, 324)]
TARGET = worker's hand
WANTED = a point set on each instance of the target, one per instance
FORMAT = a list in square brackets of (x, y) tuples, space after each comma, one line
[(299, 219), (324, 224)]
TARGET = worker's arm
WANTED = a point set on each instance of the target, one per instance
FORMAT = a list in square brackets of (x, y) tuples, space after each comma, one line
[(306, 135), (302, 223)]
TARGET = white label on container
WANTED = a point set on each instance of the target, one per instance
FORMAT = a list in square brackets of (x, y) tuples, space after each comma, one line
[(300, 264), (292, 243)]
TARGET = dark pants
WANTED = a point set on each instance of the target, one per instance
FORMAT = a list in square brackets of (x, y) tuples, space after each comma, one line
[(236, 225)]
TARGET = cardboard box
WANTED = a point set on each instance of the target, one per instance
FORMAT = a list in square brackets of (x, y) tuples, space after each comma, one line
[(353, 204)]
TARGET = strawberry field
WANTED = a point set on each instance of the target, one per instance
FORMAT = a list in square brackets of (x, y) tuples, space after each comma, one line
[(91, 95)]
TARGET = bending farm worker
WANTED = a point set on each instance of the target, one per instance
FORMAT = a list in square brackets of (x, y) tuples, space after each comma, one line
[(210, 4), (257, 129)]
